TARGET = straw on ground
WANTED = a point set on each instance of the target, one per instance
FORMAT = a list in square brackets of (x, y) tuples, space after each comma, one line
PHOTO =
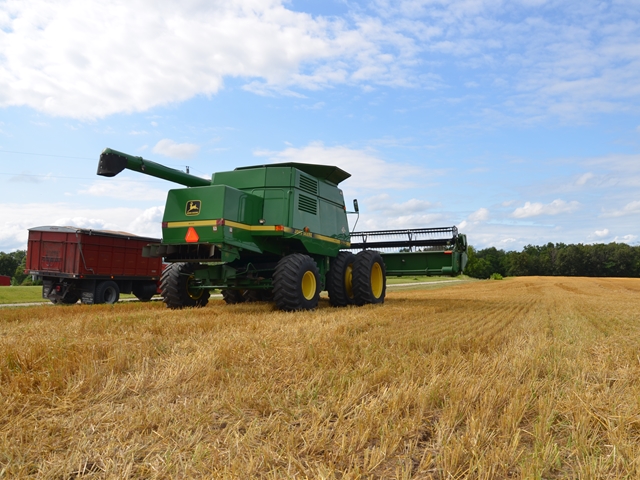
[(520, 378)]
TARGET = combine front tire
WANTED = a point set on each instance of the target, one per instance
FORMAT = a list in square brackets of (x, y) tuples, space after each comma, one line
[(369, 278), (296, 283), (177, 284), (340, 280)]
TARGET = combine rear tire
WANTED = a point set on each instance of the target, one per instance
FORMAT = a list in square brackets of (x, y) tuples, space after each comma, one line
[(369, 278), (296, 283), (176, 285), (232, 296), (107, 292), (340, 280)]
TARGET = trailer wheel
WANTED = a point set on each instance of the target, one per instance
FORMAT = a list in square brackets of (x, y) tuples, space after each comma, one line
[(107, 292), (70, 299), (176, 287), (232, 296), (369, 278), (340, 280), (296, 283)]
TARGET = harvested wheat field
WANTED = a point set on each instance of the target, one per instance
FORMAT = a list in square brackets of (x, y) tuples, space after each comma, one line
[(520, 378)]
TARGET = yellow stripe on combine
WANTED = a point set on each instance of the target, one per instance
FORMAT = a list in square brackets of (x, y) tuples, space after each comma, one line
[(192, 223), (256, 228), (252, 228)]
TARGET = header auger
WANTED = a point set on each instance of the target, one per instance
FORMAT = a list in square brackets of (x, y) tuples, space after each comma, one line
[(272, 232)]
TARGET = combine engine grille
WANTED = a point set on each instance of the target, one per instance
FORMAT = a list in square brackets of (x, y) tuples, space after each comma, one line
[(437, 239)]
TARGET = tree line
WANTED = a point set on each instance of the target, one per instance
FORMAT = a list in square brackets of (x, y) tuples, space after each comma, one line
[(13, 265), (597, 260)]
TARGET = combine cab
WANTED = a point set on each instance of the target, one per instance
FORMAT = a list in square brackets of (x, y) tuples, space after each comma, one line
[(275, 232)]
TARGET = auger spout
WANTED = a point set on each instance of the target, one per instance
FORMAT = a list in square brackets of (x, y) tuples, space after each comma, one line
[(113, 162)]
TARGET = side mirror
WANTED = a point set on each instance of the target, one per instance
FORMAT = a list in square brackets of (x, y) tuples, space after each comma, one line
[(355, 205)]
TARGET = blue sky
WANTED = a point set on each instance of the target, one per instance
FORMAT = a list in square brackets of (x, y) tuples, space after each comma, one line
[(518, 121)]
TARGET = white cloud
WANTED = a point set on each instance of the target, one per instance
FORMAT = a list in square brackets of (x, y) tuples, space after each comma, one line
[(85, 222), (169, 148), (31, 178), (91, 59), (554, 208), (602, 233), (384, 203), (148, 223), (554, 58), (480, 215), (16, 219), (546, 57), (584, 178), (367, 170), (626, 239), (631, 208), (124, 189), (381, 222)]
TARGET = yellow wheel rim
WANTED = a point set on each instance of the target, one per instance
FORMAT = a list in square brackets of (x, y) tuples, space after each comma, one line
[(348, 280), (308, 285), (194, 294), (377, 280)]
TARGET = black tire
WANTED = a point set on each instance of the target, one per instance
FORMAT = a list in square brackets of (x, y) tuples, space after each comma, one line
[(144, 291), (340, 280), (232, 296), (369, 278), (70, 299), (257, 295), (175, 287), (296, 283), (107, 292)]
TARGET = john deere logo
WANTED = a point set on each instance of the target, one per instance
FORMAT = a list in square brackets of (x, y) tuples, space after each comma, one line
[(193, 207)]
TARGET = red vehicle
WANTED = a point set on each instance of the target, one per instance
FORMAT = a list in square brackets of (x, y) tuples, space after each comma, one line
[(5, 281), (93, 266)]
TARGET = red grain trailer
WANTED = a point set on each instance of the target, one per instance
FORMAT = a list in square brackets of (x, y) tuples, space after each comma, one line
[(5, 281), (93, 266)]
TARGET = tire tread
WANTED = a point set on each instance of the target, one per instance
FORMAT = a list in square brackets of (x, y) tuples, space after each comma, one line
[(287, 292), (362, 291)]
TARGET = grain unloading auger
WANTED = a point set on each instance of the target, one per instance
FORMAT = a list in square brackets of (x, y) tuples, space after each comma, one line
[(275, 231)]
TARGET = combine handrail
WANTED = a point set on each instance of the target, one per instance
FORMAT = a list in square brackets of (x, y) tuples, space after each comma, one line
[(412, 238)]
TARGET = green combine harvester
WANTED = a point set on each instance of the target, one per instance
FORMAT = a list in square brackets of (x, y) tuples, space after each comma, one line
[(279, 232)]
